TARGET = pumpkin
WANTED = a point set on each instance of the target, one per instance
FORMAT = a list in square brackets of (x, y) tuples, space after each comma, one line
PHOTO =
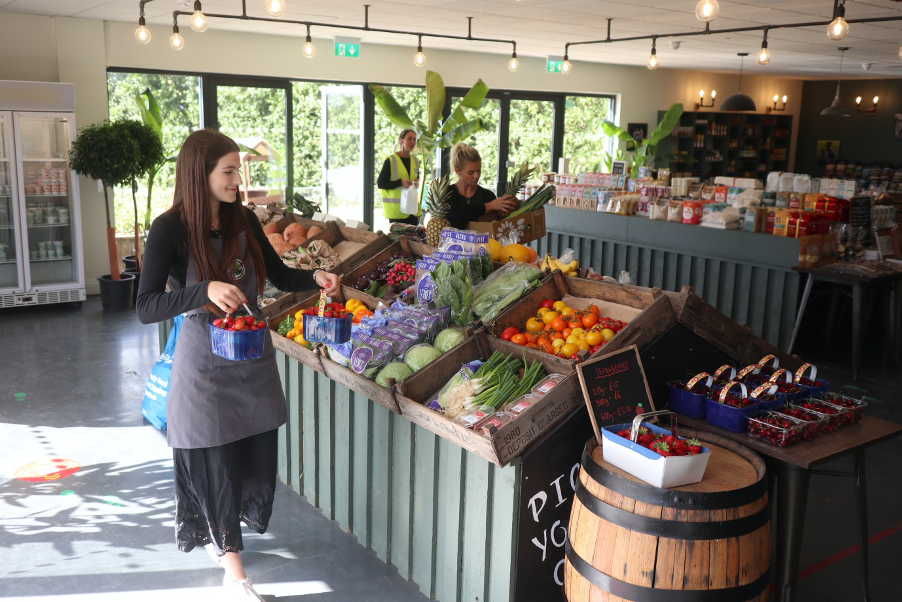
[(313, 231), (272, 228), (296, 241), (275, 239), (293, 231)]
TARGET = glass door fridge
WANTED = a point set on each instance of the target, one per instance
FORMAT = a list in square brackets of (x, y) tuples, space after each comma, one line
[(42, 230)]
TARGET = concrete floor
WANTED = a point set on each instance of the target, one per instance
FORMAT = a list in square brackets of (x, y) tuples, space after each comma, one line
[(71, 381)]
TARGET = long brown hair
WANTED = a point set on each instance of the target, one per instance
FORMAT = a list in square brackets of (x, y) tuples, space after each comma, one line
[(200, 153)]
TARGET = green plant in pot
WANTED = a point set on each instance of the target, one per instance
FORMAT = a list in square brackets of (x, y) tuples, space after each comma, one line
[(645, 151), (152, 116)]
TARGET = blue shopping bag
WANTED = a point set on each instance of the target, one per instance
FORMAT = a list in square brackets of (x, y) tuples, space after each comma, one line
[(157, 390)]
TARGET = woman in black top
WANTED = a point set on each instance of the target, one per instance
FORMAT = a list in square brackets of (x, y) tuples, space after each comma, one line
[(222, 415), (470, 201)]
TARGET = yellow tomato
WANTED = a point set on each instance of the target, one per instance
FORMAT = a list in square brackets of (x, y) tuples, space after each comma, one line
[(559, 305), (607, 334), (557, 343), (594, 338), (300, 340), (291, 333), (572, 339), (566, 311), (582, 344), (549, 316), (578, 332), (533, 325), (569, 349), (543, 310)]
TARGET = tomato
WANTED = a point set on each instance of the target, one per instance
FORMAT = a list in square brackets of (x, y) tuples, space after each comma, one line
[(519, 339), (559, 305), (568, 349), (582, 344), (534, 325), (542, 311), (567, 332), (593, 309), (589, 320), (594, 348), (567, 312), (574, 357), (572, 339), (578, 332), (607, 334), (557, 343), (549, 316), (548, 348), (508, 333), (594, 338), (557, 323), (558, 336), (574, 322), (548, 303)]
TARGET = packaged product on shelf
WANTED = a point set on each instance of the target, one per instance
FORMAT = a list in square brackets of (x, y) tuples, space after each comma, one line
[(424, 283), (692, 212), (453, 288), (458, 388), (781, 222), (496, 421), (369, 355), (658, 209), (754, 219), (505, 286), (675, 211)]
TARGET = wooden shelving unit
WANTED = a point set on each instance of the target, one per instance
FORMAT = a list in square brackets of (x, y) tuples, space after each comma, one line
[(742, 145)]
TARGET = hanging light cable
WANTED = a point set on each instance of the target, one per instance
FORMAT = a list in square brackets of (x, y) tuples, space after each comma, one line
[(707, 10), (764, 54), (653, 62), (309, 48), (739, 101), (836, 109), (198, 19), (419, 59), (838, 28)]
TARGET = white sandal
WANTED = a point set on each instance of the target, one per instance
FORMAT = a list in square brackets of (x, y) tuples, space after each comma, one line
[(243, 590), (211, 552)]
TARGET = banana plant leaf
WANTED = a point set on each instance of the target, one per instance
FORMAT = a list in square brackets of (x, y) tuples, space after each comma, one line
[(150, 111), (670, 120), (392, 110), (615, 131), (462, 132), (472, 100), (435, 100)]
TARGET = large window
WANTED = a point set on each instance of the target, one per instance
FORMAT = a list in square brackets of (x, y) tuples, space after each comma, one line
[(178, 97), (582, 120), (531, 133)]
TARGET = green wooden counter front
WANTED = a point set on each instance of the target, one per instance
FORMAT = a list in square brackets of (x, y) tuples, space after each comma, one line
[(443, 516), (747, 276)]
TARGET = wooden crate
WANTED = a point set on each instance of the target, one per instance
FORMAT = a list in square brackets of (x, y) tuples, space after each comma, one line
[(646, 311), (416, 250), (502, 445), (371, 244), (288, 346)]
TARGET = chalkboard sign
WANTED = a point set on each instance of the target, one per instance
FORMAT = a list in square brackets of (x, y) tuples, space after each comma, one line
[(618, 167), (861, 212), (613, 387)]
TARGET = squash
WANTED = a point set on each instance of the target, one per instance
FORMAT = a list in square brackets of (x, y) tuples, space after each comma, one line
[(275, 239), (296, 241), (294, 230), (271, 228), (313, 231)]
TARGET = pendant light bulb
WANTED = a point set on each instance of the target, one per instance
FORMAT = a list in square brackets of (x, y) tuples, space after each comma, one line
[(198, 19), (838, 28), (309, 48), (176, 41), (653, 62), (513, 64), (763, 56), (142, 34), (419, 59), (707, 10), (274, 8), (567, 66)]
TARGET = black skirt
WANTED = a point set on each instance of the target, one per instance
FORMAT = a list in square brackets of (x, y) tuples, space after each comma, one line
[(218, 487)]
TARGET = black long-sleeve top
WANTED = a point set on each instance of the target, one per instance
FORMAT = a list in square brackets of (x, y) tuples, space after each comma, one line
[(383, 182), (465, 210), (166, 256)]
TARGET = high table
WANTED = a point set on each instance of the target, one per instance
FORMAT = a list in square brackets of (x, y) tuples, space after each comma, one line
[(794, 466)]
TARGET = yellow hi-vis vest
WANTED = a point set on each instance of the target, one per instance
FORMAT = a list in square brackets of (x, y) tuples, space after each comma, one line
[(391, 199)]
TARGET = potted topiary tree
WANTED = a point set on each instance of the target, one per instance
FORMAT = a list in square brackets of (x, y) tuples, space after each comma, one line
[(107, 152)]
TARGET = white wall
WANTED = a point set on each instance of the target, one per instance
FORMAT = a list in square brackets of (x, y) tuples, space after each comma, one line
[(80, 50)]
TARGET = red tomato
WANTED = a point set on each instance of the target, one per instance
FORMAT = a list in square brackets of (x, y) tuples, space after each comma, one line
[(589, 320), (519, 339), (594, 349), (549, 303), (509, 332)]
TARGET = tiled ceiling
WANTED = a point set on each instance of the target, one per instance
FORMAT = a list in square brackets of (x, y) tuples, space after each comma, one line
[(542, 27)]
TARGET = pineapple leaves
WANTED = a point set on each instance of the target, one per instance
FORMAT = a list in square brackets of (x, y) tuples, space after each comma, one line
[(394, 111), (435, 100)]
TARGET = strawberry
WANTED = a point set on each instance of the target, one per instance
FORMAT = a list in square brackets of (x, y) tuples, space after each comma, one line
[(249, 320), (661, 448), (226, 322), (261, 324), (669, 439), (217, 323), (694, 446), (645, 440), (624, 433), (239, 325)]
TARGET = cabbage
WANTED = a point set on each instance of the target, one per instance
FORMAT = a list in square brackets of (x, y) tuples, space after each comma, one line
[(420, 355), (395, 370), (448, 339)]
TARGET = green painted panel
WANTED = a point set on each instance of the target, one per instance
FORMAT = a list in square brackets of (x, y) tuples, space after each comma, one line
[(380, 469), (342, 477), (282, 462), (727, 286), (742, 296), (501, 555), (476, 527), (326, 441), (295, 426), (643, 273), (310, 434), (425, 486), (671, 272), (775, 283), (361, 454), (449, 524), (758, 303), (402, 488)]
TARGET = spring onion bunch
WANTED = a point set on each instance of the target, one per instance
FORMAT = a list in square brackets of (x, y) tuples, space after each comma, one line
[(497, 381)]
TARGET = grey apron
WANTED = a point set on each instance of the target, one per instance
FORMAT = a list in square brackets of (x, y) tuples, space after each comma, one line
[(213, 401)]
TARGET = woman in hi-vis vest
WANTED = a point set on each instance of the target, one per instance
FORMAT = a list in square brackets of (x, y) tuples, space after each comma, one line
[(400, 170)]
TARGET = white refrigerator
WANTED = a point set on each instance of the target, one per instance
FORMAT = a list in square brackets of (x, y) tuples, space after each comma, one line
[(40, 230)]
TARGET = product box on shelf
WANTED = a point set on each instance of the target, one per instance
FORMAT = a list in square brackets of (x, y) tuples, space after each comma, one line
[(816, 250), (497, 445), (647, 465), (530, 225)]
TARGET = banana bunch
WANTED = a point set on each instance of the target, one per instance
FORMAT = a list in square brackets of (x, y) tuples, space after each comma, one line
[(551, 264)]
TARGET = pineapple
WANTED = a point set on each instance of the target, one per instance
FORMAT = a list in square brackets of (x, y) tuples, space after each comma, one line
[(437, 205), (519, 179)]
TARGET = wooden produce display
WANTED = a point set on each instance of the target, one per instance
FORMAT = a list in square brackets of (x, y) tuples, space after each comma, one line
[(646, 311), (630, 541), (402, 245), (497, 446), (356, 247)]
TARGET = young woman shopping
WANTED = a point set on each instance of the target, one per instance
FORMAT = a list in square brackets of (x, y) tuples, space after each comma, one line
[(400, 171), (222, 415), (468, 199)]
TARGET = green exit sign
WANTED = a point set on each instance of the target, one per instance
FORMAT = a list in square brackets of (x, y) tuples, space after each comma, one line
[(347, 47), (553, 64)]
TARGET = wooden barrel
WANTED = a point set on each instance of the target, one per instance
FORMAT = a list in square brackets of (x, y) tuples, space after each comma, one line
[(705, 542)]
